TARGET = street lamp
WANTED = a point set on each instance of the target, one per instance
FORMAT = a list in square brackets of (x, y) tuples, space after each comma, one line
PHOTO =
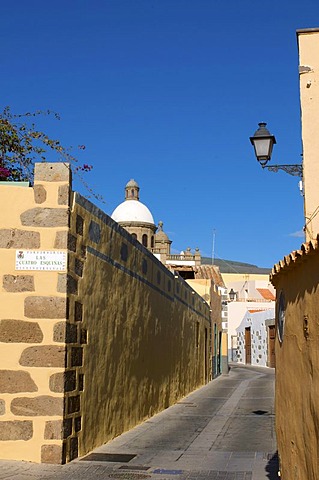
[(263, 143), (232, 295)]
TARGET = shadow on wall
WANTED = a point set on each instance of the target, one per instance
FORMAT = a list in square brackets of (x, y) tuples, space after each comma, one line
[(272, 467)]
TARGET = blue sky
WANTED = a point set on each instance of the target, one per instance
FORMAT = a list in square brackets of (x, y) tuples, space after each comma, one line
[(168, 92)]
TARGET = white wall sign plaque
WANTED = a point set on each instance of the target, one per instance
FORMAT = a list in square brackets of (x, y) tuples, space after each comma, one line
[(52, 260)]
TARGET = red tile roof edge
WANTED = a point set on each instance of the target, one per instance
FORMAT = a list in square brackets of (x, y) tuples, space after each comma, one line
[(266, 293)]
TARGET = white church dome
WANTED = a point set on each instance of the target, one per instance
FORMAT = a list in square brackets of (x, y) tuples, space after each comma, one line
[(132, 211)]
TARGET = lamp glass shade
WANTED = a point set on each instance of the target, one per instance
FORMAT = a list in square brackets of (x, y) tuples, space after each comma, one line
[(232, 294), (263, 143), (263, 149)]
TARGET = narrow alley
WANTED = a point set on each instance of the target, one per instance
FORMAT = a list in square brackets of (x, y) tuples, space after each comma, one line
[(222, 431)]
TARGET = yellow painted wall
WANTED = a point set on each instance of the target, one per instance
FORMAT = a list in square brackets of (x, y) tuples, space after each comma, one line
[(308, 42), (244, 277), (205, 288), (32, 310)]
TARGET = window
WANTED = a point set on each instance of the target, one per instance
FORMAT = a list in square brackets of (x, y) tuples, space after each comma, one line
[(144, 240)]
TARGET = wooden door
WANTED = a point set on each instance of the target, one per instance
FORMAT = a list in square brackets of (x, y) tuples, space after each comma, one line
[(248, 345), (271, 346)]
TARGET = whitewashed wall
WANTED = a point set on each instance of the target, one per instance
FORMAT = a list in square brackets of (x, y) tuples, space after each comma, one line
[(257, 322)]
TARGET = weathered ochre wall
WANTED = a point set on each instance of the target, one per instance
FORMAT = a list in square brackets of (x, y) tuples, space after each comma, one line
[(88, 352), (297, 365), (33, 311), (147, 334)]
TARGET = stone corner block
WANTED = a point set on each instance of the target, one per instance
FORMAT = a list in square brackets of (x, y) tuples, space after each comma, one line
[(67, 284), (64, 195), (45, 307), (63, 381), (40, 194), (16, 430), (45, 217), (15, 381), (53, 430), (61, 239), (44, 405), (64, 332), (52, 172), (19, 331), (15, 238), (18, 283), (43, 356), (53, 454)]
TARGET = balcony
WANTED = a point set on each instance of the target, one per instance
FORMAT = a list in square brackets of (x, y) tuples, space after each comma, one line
[(182, 259)]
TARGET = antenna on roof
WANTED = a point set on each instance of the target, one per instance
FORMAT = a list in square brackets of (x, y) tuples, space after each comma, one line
[(213, 250)]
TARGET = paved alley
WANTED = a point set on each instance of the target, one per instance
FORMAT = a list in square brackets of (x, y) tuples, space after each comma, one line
[(223, 431)]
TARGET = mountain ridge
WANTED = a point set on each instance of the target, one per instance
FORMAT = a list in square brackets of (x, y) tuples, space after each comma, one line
[(233, 266)]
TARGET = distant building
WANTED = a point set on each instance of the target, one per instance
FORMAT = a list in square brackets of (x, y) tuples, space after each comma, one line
[(137, 219), (256, 338), (246, 292)]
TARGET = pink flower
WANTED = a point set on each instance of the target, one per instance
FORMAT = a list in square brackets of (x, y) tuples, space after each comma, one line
[(4, 173)]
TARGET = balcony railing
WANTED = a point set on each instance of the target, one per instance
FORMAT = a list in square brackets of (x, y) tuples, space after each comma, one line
[(180, 257), (186, 258), (253, 300)]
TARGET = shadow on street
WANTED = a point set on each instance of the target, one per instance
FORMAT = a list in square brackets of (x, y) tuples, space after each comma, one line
[(272, 467)]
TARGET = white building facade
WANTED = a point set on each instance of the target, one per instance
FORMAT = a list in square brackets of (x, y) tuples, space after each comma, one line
[(256, 339), (247, 293)]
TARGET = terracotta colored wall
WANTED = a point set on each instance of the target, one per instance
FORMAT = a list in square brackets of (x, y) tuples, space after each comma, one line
[(297, 367), (89, 352)]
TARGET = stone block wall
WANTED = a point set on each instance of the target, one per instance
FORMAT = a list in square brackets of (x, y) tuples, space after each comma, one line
[(33, 315), (90, 351)]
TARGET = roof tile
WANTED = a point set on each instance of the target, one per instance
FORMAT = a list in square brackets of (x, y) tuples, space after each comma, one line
[(266, 293), (295, 257)]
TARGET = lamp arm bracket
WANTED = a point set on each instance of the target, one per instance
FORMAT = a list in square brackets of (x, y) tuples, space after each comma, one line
[(295, 170)]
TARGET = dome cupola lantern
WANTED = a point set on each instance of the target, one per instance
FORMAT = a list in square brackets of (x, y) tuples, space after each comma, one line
[(135, 217), (132, 190)]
